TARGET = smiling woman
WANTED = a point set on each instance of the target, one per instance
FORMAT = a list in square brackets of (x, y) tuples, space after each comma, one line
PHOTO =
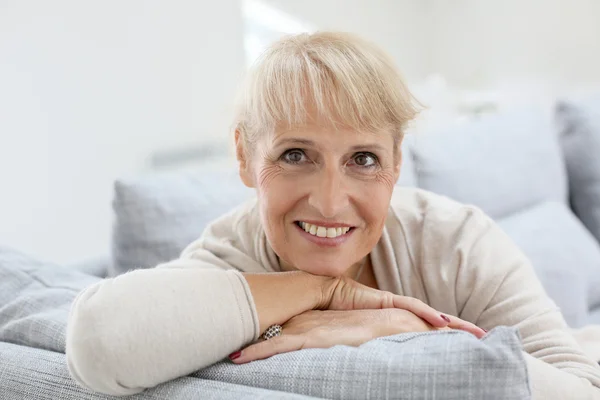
[(329, 253)]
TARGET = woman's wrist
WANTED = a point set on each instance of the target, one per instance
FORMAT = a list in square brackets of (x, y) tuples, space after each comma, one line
[(283, 295)]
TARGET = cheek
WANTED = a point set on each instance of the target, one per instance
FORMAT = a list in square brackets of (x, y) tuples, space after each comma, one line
[(376, 200), (276, 195)]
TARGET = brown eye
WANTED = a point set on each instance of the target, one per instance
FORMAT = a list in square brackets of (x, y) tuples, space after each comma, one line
[(293, 156), (365, 160)]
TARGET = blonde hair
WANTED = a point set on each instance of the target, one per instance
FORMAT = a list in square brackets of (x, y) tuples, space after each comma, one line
[(324, 77)]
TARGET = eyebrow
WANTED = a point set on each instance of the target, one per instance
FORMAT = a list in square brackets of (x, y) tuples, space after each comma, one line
[(310, 143)]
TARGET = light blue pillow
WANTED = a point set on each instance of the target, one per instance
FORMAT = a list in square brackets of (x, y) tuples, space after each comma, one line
[(500, 162), (579, 121), (157, 216), (565, 256)]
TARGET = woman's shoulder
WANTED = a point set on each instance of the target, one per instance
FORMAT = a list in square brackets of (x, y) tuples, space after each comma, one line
[(420, 206), (236, 237)]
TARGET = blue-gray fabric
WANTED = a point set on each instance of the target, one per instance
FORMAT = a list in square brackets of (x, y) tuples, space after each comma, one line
[(157, 216), (34, 303), (564, 254), (579, 121), (448, 365), (502, 163), (27, 373)]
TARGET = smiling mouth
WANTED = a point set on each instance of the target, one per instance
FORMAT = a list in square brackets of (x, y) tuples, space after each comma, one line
[(322, 231)]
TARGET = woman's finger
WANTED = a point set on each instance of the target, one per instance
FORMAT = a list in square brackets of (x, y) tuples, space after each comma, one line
[(435, 318), (457, 323), (268, 348), (422, 310)]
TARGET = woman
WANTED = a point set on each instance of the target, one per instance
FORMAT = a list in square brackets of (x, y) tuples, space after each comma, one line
[(328, 251)]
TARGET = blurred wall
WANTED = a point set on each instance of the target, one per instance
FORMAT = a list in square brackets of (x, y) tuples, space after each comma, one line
[(483, 43), (398, 26), (88, 90)]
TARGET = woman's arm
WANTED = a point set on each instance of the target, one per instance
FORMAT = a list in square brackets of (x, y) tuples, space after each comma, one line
[(496, 285), (149, 326)]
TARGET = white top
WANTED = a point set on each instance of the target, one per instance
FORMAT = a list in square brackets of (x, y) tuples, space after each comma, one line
[(146, 327)]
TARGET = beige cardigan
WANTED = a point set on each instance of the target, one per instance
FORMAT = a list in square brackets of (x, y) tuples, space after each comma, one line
[(149, 326)]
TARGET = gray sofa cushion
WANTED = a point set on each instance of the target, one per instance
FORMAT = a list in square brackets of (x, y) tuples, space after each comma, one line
[(156, 217), (502, 163), (580, 127), (35, 299), (564, 254), (34, 374), (409, 366), (448, 365)]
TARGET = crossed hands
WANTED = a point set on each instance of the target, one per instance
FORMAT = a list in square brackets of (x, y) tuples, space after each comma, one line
[(352, 314)]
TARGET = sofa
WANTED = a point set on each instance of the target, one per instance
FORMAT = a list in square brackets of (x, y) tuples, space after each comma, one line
[(535, 171)]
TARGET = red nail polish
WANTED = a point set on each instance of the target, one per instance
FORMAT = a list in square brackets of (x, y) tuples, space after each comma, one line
[(445, 318), (235, 355)]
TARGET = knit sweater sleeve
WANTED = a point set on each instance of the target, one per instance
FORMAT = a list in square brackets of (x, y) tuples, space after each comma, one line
[(146, 327), (496, 285)]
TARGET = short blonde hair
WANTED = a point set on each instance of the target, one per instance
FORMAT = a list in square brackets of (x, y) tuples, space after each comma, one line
[(335, 78)]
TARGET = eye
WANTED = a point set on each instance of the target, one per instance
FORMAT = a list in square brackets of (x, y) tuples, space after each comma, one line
[(365, 160), (293, 156)]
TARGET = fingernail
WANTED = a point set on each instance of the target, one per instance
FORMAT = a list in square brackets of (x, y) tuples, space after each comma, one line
[(235, 355), (485, 330), (445, 318)]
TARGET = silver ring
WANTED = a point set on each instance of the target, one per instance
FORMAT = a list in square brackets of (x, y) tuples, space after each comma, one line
[(272, 331)]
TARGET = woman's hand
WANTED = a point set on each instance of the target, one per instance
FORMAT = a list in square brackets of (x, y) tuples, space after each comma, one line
[(324, 329), (347, 294)]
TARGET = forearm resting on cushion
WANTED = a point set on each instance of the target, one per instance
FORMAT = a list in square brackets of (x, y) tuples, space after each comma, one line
[(146, 327)]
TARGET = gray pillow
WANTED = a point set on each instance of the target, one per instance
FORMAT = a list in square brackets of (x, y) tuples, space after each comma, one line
[(502, 163), (35, 299), (157, 216), (580, 133), (28, 373), (450, 365), (564, 255)]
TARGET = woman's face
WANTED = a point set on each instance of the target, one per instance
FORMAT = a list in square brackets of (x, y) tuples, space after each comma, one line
[(323, 194)]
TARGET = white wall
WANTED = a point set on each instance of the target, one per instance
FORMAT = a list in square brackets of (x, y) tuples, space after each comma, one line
[(478, 43), (398, 26), (88, 90)]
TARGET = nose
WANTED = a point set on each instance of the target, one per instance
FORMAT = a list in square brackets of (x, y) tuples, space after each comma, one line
[(329, 194)]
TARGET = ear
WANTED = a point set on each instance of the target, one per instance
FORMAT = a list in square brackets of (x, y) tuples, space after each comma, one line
[(243, 161)]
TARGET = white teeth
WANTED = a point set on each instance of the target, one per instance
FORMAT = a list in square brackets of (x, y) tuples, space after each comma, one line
[(322, 231)]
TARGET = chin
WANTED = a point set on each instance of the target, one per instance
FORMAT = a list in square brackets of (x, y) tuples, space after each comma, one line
[(321, 267)]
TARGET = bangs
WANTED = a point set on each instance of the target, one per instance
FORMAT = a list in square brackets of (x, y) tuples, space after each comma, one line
[(327, 79)]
